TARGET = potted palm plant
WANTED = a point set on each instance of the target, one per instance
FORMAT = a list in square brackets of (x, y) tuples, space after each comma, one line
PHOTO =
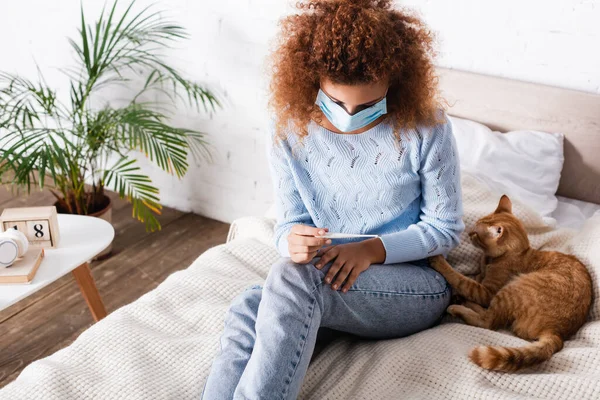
[(84, 145)]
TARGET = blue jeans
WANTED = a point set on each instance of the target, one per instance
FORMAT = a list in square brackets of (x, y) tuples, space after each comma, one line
[(270, 331)]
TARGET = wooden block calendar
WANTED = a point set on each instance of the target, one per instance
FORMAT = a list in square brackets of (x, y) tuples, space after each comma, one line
[(39, 224)]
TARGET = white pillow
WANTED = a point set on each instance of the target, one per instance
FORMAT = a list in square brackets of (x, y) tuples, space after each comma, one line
[(522, 164)]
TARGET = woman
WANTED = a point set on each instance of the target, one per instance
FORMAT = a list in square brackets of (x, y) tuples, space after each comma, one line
[(360, 145)]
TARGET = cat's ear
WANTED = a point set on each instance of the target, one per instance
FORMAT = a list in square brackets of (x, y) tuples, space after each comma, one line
[(505, 205), (495, 231)]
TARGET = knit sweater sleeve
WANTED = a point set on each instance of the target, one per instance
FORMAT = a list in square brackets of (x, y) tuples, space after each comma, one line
[(290, 209), (441, 213)]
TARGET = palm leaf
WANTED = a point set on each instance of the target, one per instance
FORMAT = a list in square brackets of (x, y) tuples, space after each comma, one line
[(23, 102), (136, 188), (145, 130)]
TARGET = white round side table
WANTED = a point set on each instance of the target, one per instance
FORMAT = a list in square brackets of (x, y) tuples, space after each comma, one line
[(81, 238)]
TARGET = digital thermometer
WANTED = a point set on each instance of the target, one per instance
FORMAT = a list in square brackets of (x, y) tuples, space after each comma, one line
[(344, 236)]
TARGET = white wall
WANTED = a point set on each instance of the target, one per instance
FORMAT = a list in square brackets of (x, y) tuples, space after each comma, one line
[(551, 42), (554, 42)]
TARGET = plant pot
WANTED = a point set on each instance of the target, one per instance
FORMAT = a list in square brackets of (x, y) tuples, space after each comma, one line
[(105, 214)]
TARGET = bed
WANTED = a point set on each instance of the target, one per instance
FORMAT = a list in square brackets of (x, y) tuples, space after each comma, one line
[(161, 346)]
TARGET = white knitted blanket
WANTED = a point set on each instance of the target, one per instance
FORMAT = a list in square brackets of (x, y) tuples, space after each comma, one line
[(162, 345)]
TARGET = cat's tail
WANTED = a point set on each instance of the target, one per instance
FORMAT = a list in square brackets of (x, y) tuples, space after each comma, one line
[(511, 359)]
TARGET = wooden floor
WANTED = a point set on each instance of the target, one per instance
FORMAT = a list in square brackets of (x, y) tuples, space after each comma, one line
[(53, 317)]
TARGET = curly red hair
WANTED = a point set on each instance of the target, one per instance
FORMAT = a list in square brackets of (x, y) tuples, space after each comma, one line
[(353, 42)]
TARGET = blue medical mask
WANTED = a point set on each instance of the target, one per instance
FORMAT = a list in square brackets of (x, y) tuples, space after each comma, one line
[(345, 122)]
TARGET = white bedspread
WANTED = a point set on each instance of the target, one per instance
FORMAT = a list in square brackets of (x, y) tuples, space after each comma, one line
[(162, 345)]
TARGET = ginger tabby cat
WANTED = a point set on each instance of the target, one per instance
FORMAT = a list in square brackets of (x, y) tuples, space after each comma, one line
[(540, 295)]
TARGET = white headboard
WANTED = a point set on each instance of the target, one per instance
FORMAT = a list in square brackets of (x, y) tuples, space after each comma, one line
[(505, 104)]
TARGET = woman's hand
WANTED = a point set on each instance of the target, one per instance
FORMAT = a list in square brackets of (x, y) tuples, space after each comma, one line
[(302, 243), (351, 259)]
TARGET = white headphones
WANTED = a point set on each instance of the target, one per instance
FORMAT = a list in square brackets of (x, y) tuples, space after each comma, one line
[(13, 244)]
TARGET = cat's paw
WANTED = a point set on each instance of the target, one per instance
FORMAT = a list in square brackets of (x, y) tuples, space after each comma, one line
[(438, 263), (454, 309)]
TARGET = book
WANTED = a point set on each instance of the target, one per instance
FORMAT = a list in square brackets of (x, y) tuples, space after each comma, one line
[(23, 270)]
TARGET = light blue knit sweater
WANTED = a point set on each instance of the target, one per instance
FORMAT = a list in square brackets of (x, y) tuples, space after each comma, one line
[(362, 183)]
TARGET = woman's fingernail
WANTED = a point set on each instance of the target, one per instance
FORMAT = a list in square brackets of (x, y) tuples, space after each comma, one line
[(327, 280), (321, 232), (334, 286), (328, 241)]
